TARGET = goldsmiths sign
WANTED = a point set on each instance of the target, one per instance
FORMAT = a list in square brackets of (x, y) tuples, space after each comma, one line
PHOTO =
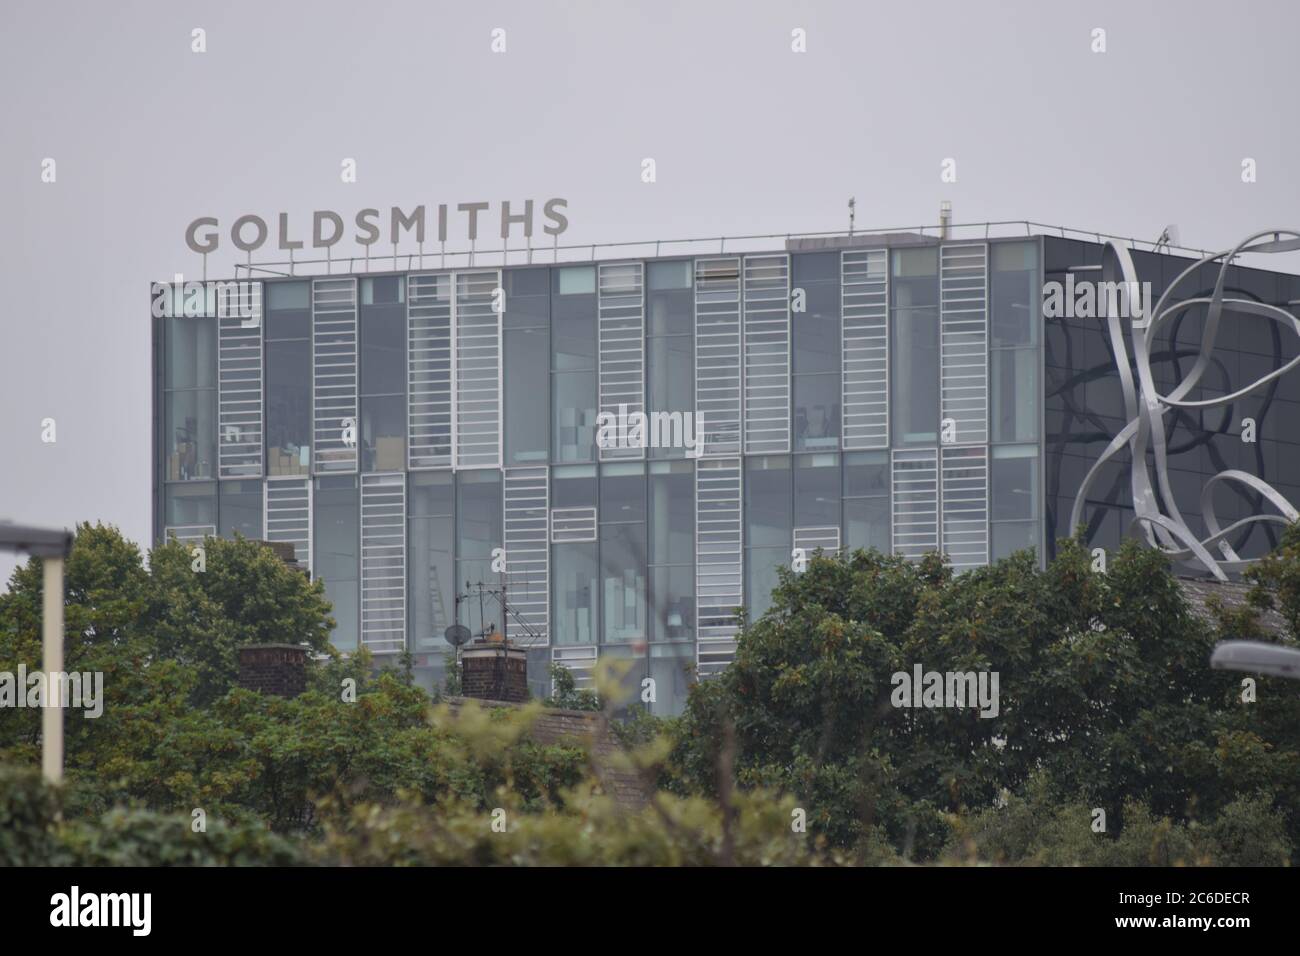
[(250, 232)]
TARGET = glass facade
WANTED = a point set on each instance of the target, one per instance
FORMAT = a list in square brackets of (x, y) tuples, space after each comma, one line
[(429, 432)]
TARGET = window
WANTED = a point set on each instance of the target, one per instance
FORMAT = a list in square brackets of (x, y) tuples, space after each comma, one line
[(573, 325), (816, 330), (574, 565), (478, 533), (1015, 305), (288, 310), (671, 668), (762, 577), (430, 573), (478, 514), (672, 513), (190, 399), (1013, 486), (526, 396), (574, 573), (576, 280), (623, 581), (672, 602), (525, 380), (768, 532), (383, 432), (670, 388), (817, 491), (866, 501), (671, 299), (573, 486), (816, 412), (622, 493), (815, 334), (1016, 402), (633, 665), (191, 506), (573, 364), (1013, 356), (528, 298), (191, 423), (337, 561), (1015, 482), (1008, 537), (623, 551), (914, 346), (383, 335), (767, 501), (573, 427), (383, 374), (288, 378), (670, 350), (240, 509), (672, 551), (191, 352)]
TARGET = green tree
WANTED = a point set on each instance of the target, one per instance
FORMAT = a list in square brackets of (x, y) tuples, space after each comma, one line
[(1104, 686), (246, 595), (566, 695)]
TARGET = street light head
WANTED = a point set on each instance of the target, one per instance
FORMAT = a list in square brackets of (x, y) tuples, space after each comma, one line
[(1257, 657), (38, 542)]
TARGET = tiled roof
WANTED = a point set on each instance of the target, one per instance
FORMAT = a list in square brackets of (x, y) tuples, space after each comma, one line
[(586, 729), (1232, 595)]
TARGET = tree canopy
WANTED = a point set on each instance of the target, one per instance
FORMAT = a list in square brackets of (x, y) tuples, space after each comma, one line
[(797, 753), (1107, 697)]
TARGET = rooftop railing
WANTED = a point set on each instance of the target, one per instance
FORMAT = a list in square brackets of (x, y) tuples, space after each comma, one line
[(487, 256)]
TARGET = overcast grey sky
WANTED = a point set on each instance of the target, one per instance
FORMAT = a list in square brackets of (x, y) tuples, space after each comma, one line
[(748, 137)]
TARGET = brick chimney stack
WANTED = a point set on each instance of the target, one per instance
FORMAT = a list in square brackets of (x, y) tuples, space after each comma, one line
[(284, 550), (278, 669), (493, 670)]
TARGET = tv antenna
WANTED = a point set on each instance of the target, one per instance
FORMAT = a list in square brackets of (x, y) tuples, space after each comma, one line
[(509, 618), (1168, 237)]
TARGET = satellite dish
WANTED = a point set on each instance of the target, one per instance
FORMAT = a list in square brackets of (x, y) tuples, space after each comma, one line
[(457, 635)]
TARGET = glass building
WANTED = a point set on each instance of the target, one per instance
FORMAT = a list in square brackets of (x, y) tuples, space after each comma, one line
[(414, 433)]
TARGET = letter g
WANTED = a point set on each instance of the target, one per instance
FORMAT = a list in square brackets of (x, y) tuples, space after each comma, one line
[(209, 243)]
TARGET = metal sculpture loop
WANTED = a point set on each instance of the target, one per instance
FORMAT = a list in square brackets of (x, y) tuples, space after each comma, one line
[(1145, 407)]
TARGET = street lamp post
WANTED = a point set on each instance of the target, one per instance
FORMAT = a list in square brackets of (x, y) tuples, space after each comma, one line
[(52, 547)]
